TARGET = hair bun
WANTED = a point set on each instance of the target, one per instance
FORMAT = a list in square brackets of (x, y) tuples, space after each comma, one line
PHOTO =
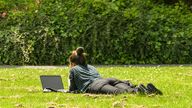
[(80, 50)]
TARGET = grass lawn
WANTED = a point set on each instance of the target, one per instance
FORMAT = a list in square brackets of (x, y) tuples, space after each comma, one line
[(21, 88)]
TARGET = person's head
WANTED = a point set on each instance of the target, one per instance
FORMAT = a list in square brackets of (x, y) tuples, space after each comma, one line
[(77, 57)]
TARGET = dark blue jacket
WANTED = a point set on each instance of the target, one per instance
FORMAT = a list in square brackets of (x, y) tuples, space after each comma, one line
[(81, 77)]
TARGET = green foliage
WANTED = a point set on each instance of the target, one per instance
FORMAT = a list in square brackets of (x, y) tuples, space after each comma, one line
[(6, 5), (112, 32), (171, 2)]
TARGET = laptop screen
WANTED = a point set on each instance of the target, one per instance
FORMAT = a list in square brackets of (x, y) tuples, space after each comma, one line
[(51, 81)]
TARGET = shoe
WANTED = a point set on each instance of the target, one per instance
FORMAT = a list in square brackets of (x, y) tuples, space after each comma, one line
[(142, 89), (153, 90)]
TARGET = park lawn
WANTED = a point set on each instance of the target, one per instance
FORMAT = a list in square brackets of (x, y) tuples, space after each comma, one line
[(21, 88)]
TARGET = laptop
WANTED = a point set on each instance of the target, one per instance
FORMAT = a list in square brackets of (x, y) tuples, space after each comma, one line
[(52, 83)]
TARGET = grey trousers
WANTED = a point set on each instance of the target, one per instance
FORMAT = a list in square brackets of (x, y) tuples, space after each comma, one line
[(110, 86)]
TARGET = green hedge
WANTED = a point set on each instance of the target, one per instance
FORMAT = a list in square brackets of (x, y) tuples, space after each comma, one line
[(112, 32)]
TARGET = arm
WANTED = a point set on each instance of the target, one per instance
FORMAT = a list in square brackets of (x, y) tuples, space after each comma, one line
[(72, 86)]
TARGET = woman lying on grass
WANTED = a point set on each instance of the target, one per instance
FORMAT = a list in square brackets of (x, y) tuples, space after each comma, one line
[(85, 78)]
